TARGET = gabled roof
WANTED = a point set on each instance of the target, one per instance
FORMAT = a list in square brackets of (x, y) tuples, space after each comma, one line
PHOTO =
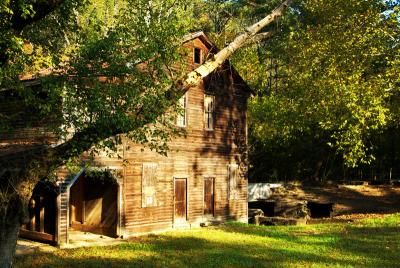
[(212, 47), (202, 36)]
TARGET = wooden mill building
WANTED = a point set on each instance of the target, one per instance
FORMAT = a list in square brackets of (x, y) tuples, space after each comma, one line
[(202, 179)]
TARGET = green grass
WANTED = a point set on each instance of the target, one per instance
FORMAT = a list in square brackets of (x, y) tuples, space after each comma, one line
[(367, 243)]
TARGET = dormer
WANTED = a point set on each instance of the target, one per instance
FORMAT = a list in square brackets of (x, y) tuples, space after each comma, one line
[(197, 55)]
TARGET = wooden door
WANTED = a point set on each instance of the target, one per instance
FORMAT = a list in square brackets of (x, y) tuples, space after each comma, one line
[(180, 199), (209, 196)]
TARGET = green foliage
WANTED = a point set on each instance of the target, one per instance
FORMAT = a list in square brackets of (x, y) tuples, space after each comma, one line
[(102, 176), (334, 68), (134, 57), (28, 48), (103, 64)]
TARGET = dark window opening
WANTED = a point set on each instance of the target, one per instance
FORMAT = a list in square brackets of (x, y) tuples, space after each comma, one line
[(197, 55), (181, 118), (209, 112)]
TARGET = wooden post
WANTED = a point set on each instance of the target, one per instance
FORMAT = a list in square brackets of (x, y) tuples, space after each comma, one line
[(83, 211), (33, 220), (41, 206)]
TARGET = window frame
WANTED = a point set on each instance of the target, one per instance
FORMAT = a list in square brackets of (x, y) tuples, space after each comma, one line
[(233, 188), (207, 113), (200, 55), (144, 195), (185, 109)]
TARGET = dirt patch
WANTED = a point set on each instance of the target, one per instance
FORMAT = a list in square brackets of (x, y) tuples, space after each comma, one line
[(29, 247), (350, 201), (349, 218)]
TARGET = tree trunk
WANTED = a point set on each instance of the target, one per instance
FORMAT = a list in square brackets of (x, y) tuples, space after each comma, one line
[(317, 170), (9, 229), (12, 216)]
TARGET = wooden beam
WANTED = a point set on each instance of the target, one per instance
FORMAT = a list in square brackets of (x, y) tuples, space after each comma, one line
[(41, 223), (32, 222), (83, 211), (36, 235)]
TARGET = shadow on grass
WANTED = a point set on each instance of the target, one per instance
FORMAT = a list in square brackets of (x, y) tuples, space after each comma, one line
[(377, 245), (374, 243), (166, 251)]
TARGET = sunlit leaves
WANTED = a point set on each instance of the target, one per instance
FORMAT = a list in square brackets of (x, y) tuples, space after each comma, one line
[(119, 76), (102, 63), (337, 70)]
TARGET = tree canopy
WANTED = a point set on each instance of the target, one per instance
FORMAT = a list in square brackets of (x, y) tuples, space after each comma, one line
[(326, 76), (330, 73), (106, 61)]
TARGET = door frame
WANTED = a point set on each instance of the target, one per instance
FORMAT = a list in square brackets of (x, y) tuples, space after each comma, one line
[(120, 231), (186, 178), (209, 216)]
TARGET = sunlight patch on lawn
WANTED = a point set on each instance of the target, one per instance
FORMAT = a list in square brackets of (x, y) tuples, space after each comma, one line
[(366, 243)]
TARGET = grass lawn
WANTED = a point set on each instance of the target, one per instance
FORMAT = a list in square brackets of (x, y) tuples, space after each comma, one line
[(366, 243)]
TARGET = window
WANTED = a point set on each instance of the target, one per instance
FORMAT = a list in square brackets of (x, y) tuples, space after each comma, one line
[(181, 119), (149, 185), (233, 181), (209, 112), (197, 55)]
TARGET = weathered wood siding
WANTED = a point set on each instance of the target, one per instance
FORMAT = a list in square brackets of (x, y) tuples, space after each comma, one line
[(202, 153), (28, 126)]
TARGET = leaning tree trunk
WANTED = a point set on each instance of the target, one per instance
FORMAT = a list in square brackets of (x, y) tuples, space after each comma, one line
[(250, 34), (12, 215)]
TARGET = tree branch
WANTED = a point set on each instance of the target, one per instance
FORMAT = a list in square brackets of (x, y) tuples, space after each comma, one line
[(258, 38), (41, 9)]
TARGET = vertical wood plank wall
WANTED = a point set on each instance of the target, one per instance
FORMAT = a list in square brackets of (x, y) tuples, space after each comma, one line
[(201, 154)]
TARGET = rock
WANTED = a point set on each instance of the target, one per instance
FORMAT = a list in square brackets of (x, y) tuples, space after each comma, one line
[(292, 209), (253, 212), (261, 220)]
